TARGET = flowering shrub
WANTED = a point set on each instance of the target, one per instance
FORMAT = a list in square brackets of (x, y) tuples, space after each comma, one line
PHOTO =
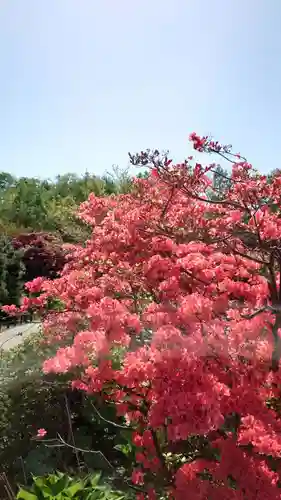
[(43, 254), (172, 310)]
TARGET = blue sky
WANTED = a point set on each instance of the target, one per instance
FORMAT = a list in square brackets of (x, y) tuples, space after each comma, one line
[(83, 82)]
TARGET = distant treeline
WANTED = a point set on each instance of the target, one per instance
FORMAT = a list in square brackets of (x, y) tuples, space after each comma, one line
[(31, 204)]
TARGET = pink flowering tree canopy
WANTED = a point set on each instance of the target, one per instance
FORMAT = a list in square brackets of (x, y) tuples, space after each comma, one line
[(183, 289)]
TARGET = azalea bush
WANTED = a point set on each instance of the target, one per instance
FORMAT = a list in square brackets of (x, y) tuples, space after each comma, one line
[(42, 254), (172, 311)]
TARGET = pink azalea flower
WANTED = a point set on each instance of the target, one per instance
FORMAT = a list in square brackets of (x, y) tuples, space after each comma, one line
[(41, 433)]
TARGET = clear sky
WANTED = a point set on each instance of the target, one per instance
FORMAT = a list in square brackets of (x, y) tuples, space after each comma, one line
[(82, 82)]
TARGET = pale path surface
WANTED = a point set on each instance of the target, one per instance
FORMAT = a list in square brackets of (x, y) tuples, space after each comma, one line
[(14, 336)]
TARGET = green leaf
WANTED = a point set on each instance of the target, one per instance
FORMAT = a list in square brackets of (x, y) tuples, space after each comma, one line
[(62, 487), (26, 495), (42, 491), (74, 488), (124, 448), (95, 480), (39, 481), (59, 486)]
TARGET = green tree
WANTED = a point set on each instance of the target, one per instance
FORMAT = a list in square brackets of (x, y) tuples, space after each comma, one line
[(120, 179), (15, 274), (221, 183), (11, 274), (6, 180), (143, 175), (3, 271), (30, 204)]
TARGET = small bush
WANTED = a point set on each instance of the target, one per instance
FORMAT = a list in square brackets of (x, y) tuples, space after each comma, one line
[(27, 401), (60, 486)]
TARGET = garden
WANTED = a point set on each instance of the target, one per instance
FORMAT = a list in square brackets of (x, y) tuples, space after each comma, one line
[(157, 371)]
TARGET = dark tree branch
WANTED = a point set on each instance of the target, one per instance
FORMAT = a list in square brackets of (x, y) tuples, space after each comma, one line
[(114, 424), (276, 353), (254, 314)]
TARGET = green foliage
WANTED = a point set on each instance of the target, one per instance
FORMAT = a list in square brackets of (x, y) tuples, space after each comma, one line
[(30, 204), (143, 175), (221, 183), (118, 180), (61, 486), (11, 273), (273, 174), (3, 272), (27, 401)]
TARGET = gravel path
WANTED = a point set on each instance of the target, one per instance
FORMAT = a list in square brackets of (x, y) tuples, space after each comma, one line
[(14, 336)]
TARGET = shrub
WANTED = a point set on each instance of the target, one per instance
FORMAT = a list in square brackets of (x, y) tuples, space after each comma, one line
[(42, 254), (59, 486), (172, 312), (11, 274), (26, 398)]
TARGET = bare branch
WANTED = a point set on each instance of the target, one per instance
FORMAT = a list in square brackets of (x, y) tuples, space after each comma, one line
[(244, 255), (254, 314), (273, 284), (228, 159), (276, 353), (114, 424), (62, 442), (165, 209), (71, 430)]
